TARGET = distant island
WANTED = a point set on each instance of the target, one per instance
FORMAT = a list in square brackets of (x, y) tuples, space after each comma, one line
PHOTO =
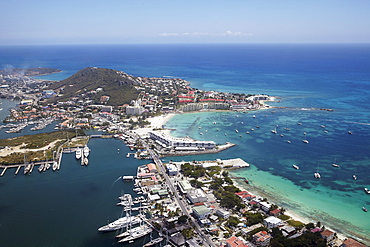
[(29, 72)]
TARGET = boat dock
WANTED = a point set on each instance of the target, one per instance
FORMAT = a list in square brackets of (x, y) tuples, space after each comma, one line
[(19, 166)]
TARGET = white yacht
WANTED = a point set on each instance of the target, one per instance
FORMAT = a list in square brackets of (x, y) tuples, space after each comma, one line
[(131, 231), (85, 161), (86, 151), (55, 165), (367, 190), (78, 153), (274, 131), (41, 167), (153, 242), (317, 175), (120, 223), (305, 141), (136, 234), (296, 167)]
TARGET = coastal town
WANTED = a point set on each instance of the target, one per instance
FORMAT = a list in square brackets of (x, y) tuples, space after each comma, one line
[(190, 203)]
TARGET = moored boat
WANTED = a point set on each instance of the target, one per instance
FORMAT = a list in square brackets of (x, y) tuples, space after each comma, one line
[(86, 151), (120, 223), (78, 153), (367, 190), (317, 175), (296, 167), (365, 209), (153, 242), (136, 234)]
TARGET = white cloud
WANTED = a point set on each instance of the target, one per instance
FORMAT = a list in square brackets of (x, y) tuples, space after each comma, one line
[(198, 34)]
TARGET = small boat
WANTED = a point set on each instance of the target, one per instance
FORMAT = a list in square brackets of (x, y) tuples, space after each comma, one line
[(354, 177), (288, 141), (274, 131), (201, 133), (236, 131), (281, 135), (350, 132), (305, 141), (78, 153), (296, 167), (86, 161), (254, 116), (246, 181), (365, 209), (367, 190), (86, 151), (55, 165), (317, 175), (335, 165), (41, 167), (153, 242)]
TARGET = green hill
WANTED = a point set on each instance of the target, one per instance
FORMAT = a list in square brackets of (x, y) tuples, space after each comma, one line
[(118, 85)]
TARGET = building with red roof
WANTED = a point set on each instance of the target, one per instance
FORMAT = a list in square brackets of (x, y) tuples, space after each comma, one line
[(234, 241)]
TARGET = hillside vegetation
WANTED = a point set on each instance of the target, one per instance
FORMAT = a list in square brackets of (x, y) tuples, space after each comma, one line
[(118, 85)]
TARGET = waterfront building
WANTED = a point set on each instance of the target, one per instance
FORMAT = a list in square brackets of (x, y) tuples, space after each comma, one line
[(152, 168), (265, 206), (272, 222), (180, 143), (327, 235)]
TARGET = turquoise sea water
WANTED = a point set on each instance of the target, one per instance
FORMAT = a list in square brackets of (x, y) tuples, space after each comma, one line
[(335, 199), (305, 76)]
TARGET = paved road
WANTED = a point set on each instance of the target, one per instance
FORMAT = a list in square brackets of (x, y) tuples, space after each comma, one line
[(172, 188)]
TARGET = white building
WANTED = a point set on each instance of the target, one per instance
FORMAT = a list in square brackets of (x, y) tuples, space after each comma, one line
[(272, 222), (172, 170), (181, 143), (223, 213), (196, 195)]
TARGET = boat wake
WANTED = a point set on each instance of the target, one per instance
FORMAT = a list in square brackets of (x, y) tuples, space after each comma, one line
[(116, 180)]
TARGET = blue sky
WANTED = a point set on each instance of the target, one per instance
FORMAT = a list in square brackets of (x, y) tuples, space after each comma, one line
[(172, 21)]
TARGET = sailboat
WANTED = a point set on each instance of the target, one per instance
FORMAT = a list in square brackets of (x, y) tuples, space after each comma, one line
[(274, 131), (286, 128), (335, 163), (153, 242)]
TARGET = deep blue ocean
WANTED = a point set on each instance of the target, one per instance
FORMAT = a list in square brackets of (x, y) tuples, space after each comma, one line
[(305, 76)]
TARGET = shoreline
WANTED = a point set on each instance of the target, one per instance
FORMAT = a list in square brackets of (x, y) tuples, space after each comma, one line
[(289, 212), (162, 120)]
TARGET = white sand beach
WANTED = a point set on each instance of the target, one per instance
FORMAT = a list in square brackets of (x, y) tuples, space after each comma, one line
[(156, 122)]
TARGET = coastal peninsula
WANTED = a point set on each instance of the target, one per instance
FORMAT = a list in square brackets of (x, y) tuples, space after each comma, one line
[(128, 121)]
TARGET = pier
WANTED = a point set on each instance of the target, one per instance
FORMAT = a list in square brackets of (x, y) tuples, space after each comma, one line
[(33, 164)]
